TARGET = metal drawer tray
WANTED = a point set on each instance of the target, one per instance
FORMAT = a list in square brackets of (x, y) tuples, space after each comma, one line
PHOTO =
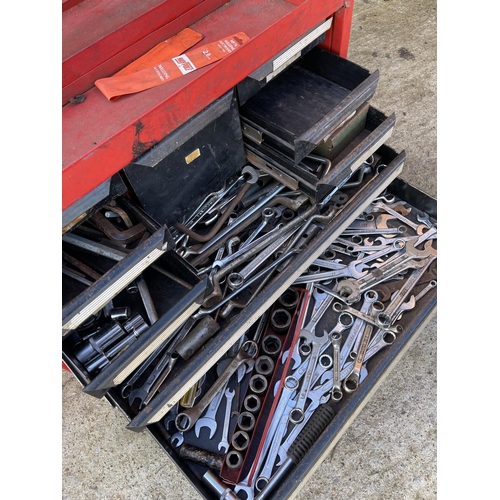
[(180, 380), (173, 284), (413, 322)]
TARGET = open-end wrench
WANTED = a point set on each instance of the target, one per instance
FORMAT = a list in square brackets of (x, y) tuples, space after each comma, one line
[(425, 219), (292, 436), (177, 439), (375, 320), (336, 393), (401, 230), (352, 271), (224, 443), (408, 258), (162, 369), (208, 419), (185, 420), (418, 228), (247, 485), (296, 358), (319, 395), (265, 473), (391, 313), (351, 382), (127, 387)]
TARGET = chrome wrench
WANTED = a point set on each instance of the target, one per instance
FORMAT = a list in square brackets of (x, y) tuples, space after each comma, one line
[(185, 420), (322, 302), (224, 443)]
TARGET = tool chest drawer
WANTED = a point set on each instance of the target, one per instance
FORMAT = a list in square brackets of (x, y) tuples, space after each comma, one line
[(397, 283), (307, 102)]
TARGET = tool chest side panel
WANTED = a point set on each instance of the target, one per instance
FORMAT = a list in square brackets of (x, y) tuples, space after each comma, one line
[(93, 149)]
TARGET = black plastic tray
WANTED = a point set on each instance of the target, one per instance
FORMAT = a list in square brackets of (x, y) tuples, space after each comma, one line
[(305, 103)]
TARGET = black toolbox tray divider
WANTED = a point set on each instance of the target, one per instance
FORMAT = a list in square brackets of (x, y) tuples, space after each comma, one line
[(97, 295), (201, 362), (346, 85)]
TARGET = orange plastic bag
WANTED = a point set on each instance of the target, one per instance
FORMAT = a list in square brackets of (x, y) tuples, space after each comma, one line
[(170, 69)]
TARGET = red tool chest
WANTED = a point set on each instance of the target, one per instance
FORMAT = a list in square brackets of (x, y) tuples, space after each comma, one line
[(109, 151)]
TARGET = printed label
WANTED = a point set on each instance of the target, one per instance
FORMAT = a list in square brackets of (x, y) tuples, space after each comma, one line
[(184, 64)]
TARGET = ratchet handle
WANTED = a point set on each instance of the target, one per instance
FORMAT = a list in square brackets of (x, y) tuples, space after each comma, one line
[(310, 433)]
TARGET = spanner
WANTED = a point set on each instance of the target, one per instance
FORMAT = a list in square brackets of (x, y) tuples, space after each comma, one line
[(418, 228), (224, 443), (408, 258), (285, 446), (319, 395), (425, 219), (208, 420), (376, 320), (267, 215), (322, 302), (352, 271), (352, 380), (369, 297), (247, 485), (185, 420)]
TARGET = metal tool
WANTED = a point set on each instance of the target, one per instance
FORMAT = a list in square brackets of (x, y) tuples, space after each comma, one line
[(185, 420), (224, 443), (316, 341), (208, 419)]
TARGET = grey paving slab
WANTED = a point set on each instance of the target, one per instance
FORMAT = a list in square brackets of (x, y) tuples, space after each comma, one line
[(389, 452)]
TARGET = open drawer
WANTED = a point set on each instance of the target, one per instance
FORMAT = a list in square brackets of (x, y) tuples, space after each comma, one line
[(307, 102), (124, 291), (318, 176), (266, 286), (207, 469)]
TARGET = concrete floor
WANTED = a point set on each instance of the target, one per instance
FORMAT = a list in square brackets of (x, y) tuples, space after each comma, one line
[(389, 452)]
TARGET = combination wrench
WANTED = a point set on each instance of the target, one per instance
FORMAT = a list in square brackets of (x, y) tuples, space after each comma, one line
[(208, 419), (316, 342), (224, 443)]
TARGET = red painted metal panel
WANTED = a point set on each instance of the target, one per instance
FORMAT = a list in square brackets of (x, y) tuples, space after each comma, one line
[(67, 4), (101, 137), (116, 62), (337, 37), (99, 29)]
